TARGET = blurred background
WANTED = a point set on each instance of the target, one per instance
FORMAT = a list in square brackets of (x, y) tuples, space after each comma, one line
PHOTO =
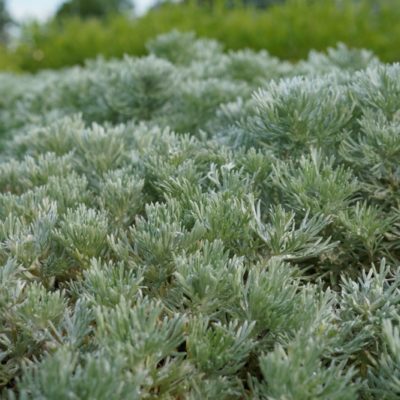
[(42, 34)]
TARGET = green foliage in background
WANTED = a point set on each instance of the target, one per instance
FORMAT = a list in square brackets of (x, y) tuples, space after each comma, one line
[(8, 60), (92, 8), (288, 30), (5, 19), (196, 224)]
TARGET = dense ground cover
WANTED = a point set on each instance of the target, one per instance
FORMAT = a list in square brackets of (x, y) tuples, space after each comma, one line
[(200, 225), (288, 30)]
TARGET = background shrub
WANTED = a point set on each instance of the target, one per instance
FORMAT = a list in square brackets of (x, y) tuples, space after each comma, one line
[(288, 30)]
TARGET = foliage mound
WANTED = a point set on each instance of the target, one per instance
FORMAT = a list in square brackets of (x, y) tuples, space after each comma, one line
[(201, 225)]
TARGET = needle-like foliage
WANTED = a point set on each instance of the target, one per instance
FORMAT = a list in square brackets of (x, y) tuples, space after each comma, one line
[(197, 224)]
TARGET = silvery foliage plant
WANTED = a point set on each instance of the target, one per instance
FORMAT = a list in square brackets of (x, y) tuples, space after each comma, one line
[(201, 224)]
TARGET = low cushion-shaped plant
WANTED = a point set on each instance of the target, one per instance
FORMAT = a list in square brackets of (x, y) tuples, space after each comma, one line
[(201, 225)]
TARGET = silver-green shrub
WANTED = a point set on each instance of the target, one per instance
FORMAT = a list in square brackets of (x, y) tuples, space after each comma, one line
[(196, 224)]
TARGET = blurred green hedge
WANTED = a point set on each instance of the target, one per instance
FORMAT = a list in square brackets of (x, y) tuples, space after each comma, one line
[(288, 31), (8, 60)]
